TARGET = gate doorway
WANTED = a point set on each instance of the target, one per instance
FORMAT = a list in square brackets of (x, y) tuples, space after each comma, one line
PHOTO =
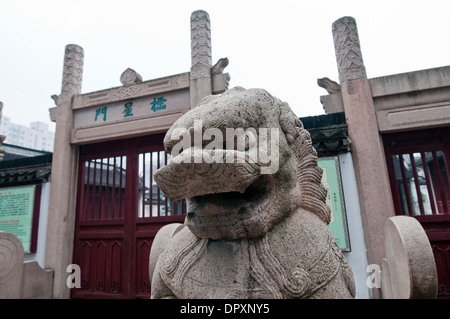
[(419, 171), (119, 211)]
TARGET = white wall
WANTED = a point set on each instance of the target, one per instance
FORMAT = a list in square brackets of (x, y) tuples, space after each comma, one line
[(357, 257), (39, 256)]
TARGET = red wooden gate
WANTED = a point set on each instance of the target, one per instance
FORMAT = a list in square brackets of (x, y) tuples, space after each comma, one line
[(418, 164), (119, 211)]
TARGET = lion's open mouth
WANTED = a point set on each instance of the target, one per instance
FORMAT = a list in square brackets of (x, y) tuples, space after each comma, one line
[(224, 200), (188, 175), (231, 214), (224, 203)]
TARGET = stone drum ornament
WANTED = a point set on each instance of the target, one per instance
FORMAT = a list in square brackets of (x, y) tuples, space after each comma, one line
[(130, 76), (257, 220)]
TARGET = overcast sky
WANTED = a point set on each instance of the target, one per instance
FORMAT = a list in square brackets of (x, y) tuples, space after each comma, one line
[(281, 46)]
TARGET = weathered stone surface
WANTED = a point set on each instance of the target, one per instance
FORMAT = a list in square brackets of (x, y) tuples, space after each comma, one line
[(329, 85), (200, 44), (11, 265), (201, 57), (348, 50), (130, 76), (409, 270), (59, 241), (160, 242), (250, 232), (19, 279), (372, 178)]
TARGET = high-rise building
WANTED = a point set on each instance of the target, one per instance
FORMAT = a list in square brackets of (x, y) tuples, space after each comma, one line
[(36, 136)]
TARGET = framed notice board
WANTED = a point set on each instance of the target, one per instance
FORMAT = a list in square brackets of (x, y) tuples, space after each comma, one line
[(19, 214), (332, 181)]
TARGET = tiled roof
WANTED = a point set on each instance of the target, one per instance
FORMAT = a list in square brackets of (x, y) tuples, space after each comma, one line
[(27, 170), (329, 133)]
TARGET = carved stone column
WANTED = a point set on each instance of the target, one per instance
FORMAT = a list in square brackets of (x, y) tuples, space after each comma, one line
[(72, 73), (367, 146), (61, 215), (201, 57), (348, 51)]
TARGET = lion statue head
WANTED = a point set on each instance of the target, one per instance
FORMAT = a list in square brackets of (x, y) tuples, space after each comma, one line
[(249, 173), (228, 198)]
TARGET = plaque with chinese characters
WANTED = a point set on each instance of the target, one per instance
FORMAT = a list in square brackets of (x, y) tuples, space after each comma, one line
[(133, 108), (16, 213), (332, 181)]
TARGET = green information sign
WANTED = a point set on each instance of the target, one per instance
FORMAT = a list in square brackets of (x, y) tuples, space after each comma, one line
[(332, 181), (16, 213)]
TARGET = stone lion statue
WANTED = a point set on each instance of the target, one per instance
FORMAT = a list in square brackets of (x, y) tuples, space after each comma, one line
[(248, 233)]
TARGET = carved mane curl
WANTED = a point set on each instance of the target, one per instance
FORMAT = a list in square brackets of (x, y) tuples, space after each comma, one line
[(309, 173)]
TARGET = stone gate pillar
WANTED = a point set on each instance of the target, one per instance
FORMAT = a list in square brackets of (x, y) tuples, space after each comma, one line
[(367, 146), (61, 215), (201, 57)]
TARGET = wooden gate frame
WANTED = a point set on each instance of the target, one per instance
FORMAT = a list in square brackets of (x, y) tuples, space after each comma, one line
[(437, 224), (84, 118), (430, 140), (125, 229)]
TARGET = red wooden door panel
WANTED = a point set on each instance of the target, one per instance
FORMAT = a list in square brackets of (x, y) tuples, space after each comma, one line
[(419, 172), (101, 227), (154, 210), (119, 211)]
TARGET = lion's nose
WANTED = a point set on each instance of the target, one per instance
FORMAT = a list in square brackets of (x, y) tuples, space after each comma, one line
[(200, 172)]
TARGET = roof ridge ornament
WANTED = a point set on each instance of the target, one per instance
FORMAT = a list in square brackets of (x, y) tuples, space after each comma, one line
[(130, 76)]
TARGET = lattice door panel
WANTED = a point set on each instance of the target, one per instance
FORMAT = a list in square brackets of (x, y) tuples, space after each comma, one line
[(119, 211), (419, 170)]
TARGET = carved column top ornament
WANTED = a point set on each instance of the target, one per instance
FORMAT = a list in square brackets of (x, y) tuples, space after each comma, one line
[(130, 76), (72, 72), (348, 51), (200, 44)]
